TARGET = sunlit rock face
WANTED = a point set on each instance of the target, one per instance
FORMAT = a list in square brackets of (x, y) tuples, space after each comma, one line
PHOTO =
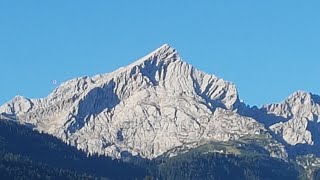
[(155, 105)]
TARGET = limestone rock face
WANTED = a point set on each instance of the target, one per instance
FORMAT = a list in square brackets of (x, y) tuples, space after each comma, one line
[(149, 107), (160, 104), (298, 105), (300, 118), (294, 131)]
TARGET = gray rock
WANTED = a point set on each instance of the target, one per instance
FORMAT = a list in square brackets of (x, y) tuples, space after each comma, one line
[(156, 105)]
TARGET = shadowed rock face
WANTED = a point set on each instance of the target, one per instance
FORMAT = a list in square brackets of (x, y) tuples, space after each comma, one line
[(152, 106)]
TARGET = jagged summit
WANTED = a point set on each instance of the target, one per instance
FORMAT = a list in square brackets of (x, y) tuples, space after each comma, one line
[(300, 104), (301, 97), (162, 55), (164, 52), (18, 105)]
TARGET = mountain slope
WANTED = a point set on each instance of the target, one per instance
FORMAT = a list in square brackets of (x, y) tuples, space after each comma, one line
[(31, 152), (197, 164), (27, 154)]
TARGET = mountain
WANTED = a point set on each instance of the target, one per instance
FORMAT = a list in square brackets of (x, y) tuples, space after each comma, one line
[(147, 108), (162, 106)]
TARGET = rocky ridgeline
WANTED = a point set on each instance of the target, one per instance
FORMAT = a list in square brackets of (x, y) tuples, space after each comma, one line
[(157, 104)]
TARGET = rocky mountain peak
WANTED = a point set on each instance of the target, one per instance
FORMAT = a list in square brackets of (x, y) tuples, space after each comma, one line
[(149, 107), (300, 97), (18, 105), (298, 117), (162, 55), (298, 105)]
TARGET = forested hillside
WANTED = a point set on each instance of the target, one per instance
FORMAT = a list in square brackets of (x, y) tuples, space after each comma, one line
[(22, 147), (27, 154)]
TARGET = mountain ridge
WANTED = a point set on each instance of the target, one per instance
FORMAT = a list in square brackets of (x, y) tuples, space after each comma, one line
[(156, 104)]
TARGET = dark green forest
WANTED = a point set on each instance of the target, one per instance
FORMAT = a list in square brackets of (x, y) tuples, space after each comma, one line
[(18, 167), (199, 165), (28, 154), (35, 149)]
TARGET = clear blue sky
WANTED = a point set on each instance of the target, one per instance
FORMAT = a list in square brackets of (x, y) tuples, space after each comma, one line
[(269, 49)]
